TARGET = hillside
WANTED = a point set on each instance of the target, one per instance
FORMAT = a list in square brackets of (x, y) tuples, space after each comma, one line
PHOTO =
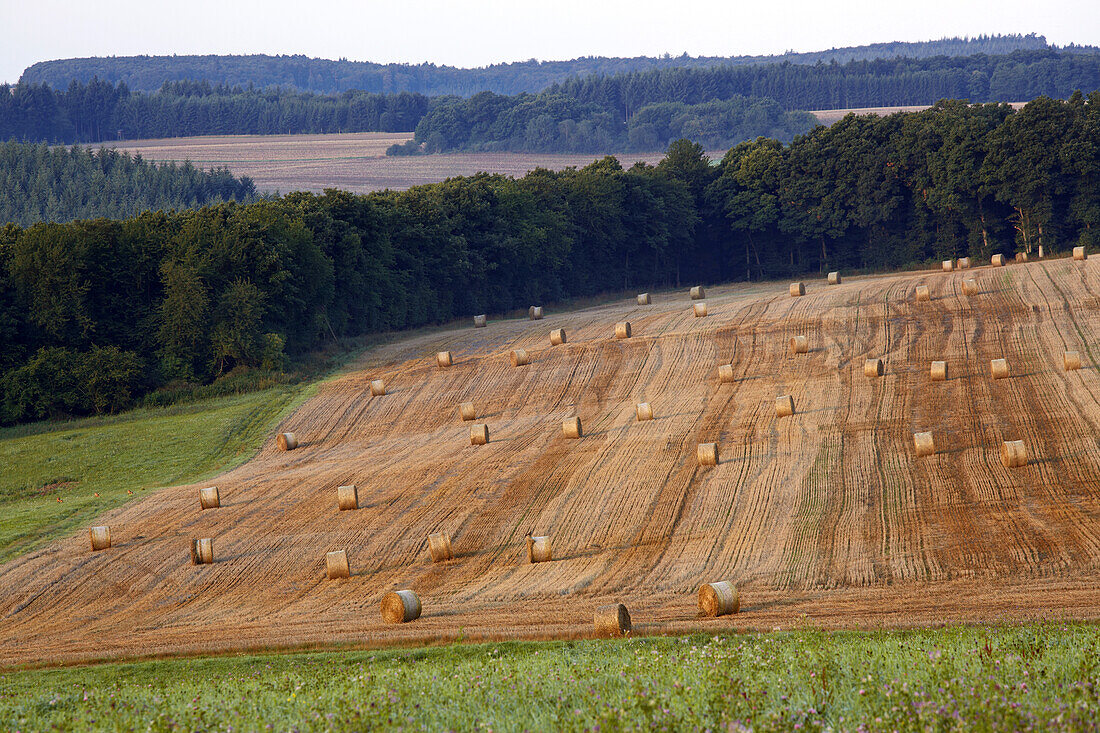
[(825, 518), (149, 73)]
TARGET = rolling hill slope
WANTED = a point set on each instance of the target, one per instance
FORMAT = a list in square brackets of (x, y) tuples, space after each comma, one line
[(826, 517)]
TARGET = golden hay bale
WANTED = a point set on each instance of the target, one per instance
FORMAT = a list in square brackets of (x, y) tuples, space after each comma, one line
[(643, 298), (202, 551), (467, 411), (1079, 253), (799, 344), (622, 330), (784, 406), (444, 359), (834, 278), (707, 453), (970, 286), (439, 547), (1021, 256), (726, 373), (571, 428), (923, 293), (924, 444), (997, 260), (797, 289), (557, 337), (535, 313), (336, 565), (719, 599), (948, 266), (612, 620), (697, 293), (209, 498), (873, 368), (538, 549), (520, 358), (1040, 252), (377, 388), (287, 441), (938, 372), (480, 321), (479, 434), (347, 497), (400, 606), (643, 411), (999, 368), (1071, 361), (700, 309), (1013, 454), (100, 537), (964, 263)]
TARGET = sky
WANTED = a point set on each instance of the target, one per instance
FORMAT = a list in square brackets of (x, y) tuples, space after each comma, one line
[(476, 33)]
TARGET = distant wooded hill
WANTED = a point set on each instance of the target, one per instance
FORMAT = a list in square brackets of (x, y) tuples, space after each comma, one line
[(149, 73)]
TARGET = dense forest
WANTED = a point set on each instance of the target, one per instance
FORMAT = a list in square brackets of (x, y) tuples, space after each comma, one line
[(149, 73), (97, 315), (39, 183)]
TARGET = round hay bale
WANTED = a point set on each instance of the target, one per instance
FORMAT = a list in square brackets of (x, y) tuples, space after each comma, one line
[(999, 368), (719, 599), (1071, 361), (444, 359), (100, 538), (948, 266), (643, 298), (698, 293), (612, 620), (997, 260), (834, 279), (1013, 454), (347, 498), (287, 441), (400, 606), (784, 406), (377, 388), (1079, 253), (535, 313), (1021, 256), (519, 357), (799, 344), (700, 310), (938, 372), (726, 373), (970, 286), (622, 330), (557, 337), (538, 549), (467, 411), (924, 444), (571, 428), (964, 263), (480, 321), (479, 434), (202, 551), (336, 565), (707, 453), (797, 289), (873, 368), (209, 498), (439, 547), (643, 411), (923, 293), (1040, 252)]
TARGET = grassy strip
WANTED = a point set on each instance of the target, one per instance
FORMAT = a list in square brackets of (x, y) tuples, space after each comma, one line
[(965, 678)]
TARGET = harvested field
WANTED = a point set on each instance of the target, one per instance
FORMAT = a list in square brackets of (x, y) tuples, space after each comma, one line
[(825, 517), (829, 116), (352, 162)]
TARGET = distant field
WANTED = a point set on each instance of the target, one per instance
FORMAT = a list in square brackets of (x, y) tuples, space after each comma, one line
[(829, 116), (353, 162)]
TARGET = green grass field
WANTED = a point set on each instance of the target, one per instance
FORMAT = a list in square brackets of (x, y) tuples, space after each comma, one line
[(968, 678)]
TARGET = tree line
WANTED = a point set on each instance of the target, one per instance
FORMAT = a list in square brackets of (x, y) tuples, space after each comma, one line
[(39, 183), (97, 315), (326, 76)]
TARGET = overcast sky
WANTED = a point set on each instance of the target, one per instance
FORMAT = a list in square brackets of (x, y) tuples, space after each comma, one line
[(475, 33)]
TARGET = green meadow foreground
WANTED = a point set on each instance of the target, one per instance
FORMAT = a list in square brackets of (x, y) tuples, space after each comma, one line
[(963, 678)]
